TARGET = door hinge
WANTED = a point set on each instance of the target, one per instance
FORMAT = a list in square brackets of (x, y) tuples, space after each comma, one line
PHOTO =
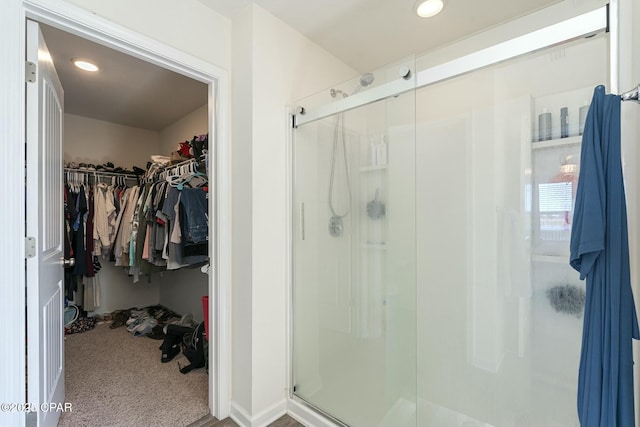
[(29, 247), (30, 71), (31, 419)]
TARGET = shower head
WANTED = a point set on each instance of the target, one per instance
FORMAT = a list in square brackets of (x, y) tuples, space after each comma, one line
[(365, 80)]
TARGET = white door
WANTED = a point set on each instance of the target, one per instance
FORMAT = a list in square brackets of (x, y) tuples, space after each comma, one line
[(45, 292)]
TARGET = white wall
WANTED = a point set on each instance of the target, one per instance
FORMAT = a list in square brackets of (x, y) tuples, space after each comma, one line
[(193, 124), (294, 67), (283, 66), (96, 141), (241, 169), (117, 290), (182, 291), (187, 25)]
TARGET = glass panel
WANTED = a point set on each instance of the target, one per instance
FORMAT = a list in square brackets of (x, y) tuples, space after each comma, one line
[(354, 262), (499, 309), (440, 294)]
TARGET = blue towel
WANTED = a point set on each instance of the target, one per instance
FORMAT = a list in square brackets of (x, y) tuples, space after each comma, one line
[(600, 252)]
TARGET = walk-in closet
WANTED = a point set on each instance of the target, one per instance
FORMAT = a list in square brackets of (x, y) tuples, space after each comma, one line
[(136, 175)]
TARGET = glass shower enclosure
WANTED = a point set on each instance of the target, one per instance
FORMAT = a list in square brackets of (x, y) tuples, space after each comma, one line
[(354, 257), (430, 278)]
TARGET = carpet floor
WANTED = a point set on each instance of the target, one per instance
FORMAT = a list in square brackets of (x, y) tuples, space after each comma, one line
[(114, 379)]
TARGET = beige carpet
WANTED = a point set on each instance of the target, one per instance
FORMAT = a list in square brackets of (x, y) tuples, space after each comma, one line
[(115, 379)]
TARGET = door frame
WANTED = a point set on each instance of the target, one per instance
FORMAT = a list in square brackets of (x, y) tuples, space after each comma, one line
[(81, 22)]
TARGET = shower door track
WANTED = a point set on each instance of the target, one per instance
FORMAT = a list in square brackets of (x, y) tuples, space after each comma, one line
[(585, 25)]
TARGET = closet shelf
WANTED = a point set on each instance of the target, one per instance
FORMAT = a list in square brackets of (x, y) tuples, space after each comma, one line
[(558, 142)]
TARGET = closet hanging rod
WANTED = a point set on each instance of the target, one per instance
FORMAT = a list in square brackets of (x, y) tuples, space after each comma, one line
[(632, 95), (182, 163), (105, 173), (164, 171), (170, 169)]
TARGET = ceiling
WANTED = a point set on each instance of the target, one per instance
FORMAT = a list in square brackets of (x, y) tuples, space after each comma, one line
[(126, 90), (367, 34), (364, 34)]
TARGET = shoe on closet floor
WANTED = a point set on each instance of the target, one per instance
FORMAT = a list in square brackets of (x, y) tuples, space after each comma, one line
[(145, 327), (119, 319), (186, 320), (157, 333), (170, 354), (133, 323)]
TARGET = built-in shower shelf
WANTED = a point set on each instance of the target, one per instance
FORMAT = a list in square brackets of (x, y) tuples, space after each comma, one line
[(373, 168), (559, 142), (553, 259), (377, 246), (558, 382)]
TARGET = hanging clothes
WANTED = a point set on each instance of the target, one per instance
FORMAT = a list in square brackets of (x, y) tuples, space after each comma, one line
[(88, 226), (147, 228), (600, 252), (105, 217), (69, 280), (79, 228)]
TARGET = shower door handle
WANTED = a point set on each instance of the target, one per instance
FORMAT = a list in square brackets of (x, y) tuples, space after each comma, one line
[(302, 221)]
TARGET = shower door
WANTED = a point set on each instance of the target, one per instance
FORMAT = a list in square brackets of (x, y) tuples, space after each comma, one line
[(354, 324), (431, 279), (499, 319)]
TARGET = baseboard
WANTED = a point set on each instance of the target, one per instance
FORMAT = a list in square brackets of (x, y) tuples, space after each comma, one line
[(262, 419), (239, 415), (307, 416), (270, 414)]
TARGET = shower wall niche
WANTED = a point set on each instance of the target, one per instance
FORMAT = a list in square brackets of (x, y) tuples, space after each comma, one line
[(448, 299)]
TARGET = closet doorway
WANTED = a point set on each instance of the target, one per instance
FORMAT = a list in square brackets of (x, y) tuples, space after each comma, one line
[(214, 85)]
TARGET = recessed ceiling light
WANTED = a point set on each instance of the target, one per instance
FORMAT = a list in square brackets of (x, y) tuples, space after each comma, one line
[(85, 65), (428, 8)]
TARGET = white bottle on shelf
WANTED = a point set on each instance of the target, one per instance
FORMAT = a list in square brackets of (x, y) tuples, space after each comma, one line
[(382, 153), (373, 154)]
